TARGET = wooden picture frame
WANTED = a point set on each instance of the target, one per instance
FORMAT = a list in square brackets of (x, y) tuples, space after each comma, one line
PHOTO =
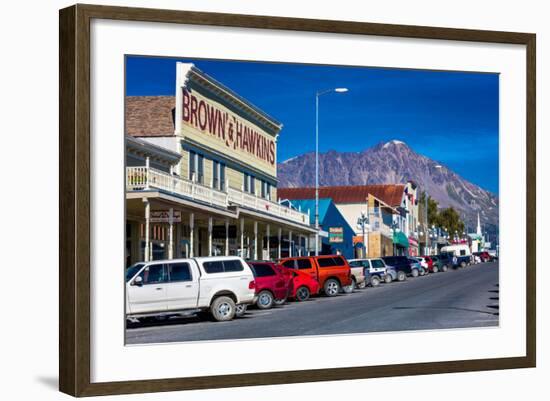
[(74, 203)]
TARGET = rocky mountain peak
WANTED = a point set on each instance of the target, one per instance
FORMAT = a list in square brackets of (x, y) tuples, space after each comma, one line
[(393, 162)]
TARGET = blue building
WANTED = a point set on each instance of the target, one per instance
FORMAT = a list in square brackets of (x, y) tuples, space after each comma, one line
[(340, 234)]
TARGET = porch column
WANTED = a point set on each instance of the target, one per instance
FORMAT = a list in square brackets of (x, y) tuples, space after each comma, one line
[(307, 245), (299, 245), (226, 237), (267, 233), (147, 228), (191, 235), (255, 240), (280, 237), (171, 234), (242, 238), (289, 243), (210, 236)]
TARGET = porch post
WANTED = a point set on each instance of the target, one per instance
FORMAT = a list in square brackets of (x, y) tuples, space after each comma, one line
[(147, 228), (191, 235), (242, 238), (289, 243), (210, 236), (267, 233), (300, 245), (227, 237), (171, 234), (255, 240), (280, 237)]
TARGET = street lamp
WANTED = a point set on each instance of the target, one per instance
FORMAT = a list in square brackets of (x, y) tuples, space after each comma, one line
[(427, 247), (362, 222), (317, 96)]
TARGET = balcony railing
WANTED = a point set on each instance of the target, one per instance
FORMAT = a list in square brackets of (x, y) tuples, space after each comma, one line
[(142, 178)]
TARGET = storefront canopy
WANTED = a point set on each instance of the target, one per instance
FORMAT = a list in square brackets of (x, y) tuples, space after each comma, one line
[(400, 239)]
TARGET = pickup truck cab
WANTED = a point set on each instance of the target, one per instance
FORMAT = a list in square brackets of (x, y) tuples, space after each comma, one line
[(331, 271), (185, 286)]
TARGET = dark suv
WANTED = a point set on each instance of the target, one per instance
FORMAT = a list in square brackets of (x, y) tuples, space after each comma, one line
[(402, 265), (443, 261)]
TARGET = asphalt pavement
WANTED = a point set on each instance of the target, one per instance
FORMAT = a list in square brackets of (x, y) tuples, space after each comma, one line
[(459, 298)]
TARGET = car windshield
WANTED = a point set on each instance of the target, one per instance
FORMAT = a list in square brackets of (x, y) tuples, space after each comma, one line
[(132, 270)]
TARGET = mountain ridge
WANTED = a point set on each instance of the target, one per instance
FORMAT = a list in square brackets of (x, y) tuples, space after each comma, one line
[(395, 162)]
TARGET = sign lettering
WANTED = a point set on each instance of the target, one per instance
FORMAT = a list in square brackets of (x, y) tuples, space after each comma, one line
[(227, 127)]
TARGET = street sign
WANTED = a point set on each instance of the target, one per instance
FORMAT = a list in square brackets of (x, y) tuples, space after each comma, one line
[(336, 234), (163, 216)]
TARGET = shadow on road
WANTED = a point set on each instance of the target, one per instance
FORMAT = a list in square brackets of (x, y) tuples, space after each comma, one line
[(445, 307)]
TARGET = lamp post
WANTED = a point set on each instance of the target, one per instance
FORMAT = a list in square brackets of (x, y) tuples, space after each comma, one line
[(317, 96), (362, 222)]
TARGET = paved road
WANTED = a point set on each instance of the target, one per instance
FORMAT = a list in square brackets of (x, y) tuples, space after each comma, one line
[(456, 299)]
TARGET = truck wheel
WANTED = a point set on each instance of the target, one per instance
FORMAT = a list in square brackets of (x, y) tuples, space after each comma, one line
[(223, 309), (444, 268), (362, 285), (401, 276), (302, 294), (240, 310), (331, 287), (463, 264), (265, 300), (348, 289), (388, 279), (435, 269), (375, 281), (414, 272)]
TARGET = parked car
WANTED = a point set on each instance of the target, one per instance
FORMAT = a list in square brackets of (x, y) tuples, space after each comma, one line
[(271, 283), (425, 263), (302, 285), (417, 269), (402, 264), (359, 278), (331, 271), (184, 286), (440, 263), (375, 270), (460, 254), (483, 255), (444, 261)]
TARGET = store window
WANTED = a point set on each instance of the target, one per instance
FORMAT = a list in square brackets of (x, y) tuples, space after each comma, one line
[(266, 190), (196, 166), (215, 174), (249, 184), (222, 177)]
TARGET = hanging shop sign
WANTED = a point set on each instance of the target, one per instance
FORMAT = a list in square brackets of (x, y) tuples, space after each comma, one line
[(163, 216), (336, 234)]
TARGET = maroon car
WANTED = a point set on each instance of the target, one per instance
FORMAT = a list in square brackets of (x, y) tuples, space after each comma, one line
[(272, 284)]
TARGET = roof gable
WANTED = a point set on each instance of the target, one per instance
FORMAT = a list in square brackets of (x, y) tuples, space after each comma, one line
[(392, 194)]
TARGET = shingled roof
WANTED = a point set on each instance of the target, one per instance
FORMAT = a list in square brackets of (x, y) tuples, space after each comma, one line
[(150, 115), (388, 193)]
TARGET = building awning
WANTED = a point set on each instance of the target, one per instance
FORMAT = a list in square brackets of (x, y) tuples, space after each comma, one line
[(400, 239)]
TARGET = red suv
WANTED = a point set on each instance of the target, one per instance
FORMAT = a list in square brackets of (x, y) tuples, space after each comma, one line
[(331, 271), (272, 284)]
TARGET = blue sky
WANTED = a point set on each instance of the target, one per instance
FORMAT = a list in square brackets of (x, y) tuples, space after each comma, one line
[(451, 117)]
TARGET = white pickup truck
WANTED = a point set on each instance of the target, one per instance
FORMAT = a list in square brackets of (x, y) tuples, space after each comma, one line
[(183, 286)]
